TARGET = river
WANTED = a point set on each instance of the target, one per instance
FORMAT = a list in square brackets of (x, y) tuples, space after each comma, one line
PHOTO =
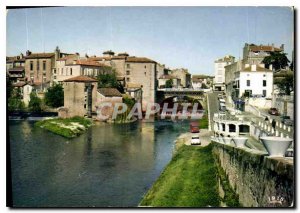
[(108, 166)]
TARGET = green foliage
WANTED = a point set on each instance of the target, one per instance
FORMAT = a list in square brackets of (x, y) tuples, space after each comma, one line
[(203, 122), (35, 103), (278, 60), (189, 180), (60, 126), (122, 118), (15, 104), (286, 85), (54, 97), (203, 86), (109, 81), (169, 83)]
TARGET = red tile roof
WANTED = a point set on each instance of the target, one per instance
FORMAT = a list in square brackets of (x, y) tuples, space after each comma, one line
[(19, 84), (256, 48), (134, 59), (16, 69), (40, 55), (80, 78), (110, 92), (90, 63)]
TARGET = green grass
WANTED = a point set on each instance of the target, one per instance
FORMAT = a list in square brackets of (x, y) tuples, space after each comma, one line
[(189, 180), (54, 125), (203, 122)]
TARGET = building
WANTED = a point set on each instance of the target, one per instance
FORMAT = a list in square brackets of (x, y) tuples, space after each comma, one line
[(184, 76), (249, 80), (255, 54), (107, 95), (80, 97), (219, 80), (162, 80), (15, 68), (202, 81), (135, 91), (40, 66), (132, 69), (72, 65)]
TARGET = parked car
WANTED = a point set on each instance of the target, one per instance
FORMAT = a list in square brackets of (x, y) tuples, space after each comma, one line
[(273, 111), (287, 120), (194, 127), (195, 140)]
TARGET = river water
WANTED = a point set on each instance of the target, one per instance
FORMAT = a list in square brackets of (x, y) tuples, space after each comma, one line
[(109, 165)]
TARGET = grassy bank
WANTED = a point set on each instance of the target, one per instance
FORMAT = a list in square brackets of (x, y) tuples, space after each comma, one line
[(189, 180), (203, 122), (69, 127)]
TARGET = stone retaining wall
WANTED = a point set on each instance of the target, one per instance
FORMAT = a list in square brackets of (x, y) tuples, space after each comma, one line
[(259, 181)]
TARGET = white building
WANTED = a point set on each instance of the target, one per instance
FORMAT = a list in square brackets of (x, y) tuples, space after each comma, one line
[(219, 80), (253, 81)]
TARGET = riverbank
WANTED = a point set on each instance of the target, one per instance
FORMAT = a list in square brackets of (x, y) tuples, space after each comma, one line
[(193, 178), (189, 180), (69, 127)]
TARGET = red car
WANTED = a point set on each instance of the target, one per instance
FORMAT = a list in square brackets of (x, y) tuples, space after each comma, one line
[(194, 127), (273, 111)]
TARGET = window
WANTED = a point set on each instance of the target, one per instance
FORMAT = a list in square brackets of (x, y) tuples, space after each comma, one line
[(128, 79), (37, 65), (145, 66), (264, 93), (44, 74), (31, 65), (128, 65), (127, 72), (54, 71), (264, 75), (44, 65), (70, 71), (62, 71), (248, 83), (264, 83), (145, 73), (54, 77)]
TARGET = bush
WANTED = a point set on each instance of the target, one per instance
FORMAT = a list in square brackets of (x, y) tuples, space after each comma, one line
[(35, 103), (15, 104), (54, 97)]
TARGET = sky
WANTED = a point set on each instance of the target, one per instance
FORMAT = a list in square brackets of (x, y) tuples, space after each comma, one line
[(179, 37)]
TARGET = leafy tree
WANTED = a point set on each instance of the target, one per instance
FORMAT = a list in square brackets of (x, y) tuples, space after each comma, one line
[(109, 81), (286, 85), (292, 66), (278, 60), (15, 104), (203, 86), (169, 83), (35, 103), (54, 97)]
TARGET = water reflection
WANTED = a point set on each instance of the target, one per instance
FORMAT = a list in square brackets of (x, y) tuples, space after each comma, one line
[(109, 165)]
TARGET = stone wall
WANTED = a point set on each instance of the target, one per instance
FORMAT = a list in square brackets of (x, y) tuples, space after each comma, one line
[(259, 181)]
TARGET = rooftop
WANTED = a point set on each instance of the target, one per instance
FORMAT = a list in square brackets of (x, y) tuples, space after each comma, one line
[(16, 69), (80, 78), (40, 55), (19, 84), (267, 48), (110, 92)]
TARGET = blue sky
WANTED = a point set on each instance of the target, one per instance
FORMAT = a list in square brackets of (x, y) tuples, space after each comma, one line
[(189, 37)]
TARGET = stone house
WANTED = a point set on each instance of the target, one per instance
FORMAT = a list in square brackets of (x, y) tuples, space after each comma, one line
[(164, 78), (80, 97), (183, 75), (107, 95), (135, 91)]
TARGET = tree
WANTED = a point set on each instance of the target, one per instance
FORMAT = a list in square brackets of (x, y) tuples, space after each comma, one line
[(278, 60), (203, 86), (109, 81), (15, 104), (54, 97), (169, 83), (286, 85), (35, 103)]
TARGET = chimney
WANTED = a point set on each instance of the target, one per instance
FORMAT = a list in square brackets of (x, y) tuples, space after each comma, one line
[(86, 56), (57, 53), (21, 55), (253, 67), (28, 53), (282, 47)]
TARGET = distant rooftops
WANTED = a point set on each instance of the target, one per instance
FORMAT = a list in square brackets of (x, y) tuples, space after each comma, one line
[(227, 58), (80, 78), (266, 48)]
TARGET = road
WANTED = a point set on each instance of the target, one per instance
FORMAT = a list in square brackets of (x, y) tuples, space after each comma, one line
[(213, 105)]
